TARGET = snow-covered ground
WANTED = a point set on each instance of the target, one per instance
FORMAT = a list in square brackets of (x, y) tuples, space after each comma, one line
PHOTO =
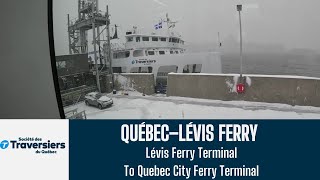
[(136, 106)]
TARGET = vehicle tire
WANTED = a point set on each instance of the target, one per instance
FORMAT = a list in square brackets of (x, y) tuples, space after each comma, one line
[(100, 107), (87, 103)]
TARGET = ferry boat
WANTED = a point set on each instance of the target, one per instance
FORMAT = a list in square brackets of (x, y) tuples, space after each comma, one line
[(160, 54)]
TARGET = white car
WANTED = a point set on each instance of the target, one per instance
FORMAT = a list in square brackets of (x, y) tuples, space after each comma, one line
[(97, 99)]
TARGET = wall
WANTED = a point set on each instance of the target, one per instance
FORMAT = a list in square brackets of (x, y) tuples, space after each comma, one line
[(141, 82), (27, 88), (293, 90)]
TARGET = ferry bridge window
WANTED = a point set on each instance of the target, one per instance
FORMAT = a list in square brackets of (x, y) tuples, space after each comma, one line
[(137, 53), (130, 39), (163, 39), (145, 38), (170, 39), (151, 53), (177, 52), (161, 52), (171, 52), (155, 39), (137, 39)]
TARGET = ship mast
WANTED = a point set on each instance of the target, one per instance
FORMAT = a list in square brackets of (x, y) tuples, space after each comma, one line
[(170, 24)]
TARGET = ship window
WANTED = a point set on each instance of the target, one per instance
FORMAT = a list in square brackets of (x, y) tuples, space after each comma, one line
[(146, 70), (171, 52), (177, 52), (137, 53), (127, 53), (150, 69), (137, 39), (130, 39), (117, 70), (151, 53), (123, 54), (141, 69), (182, 42), (174, 40), (145, 38), (161, 52), (170, 39), (155, 39), (192, 68), (134, 70), (163, 39)]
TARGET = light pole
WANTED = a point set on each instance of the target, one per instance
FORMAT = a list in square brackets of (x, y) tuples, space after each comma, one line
[(239, 9)]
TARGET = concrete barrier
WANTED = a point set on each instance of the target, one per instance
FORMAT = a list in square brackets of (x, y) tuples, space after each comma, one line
[(293, 90), (141, 82)]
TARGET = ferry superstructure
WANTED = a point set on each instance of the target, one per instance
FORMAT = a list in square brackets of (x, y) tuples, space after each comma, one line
[(161, 54)]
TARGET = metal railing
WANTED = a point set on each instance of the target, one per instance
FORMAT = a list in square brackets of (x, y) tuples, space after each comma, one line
[(74, 114)]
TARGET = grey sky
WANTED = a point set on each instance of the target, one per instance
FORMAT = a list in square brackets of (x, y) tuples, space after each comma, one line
[(292, 23)]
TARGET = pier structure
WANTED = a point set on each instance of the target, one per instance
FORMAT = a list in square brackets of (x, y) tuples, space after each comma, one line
[(90, 18)]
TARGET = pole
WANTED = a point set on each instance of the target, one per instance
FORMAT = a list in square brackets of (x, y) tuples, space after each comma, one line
[(109, 46), (241, 68), (97, 5), (70, 52), (79, 8), (94, 49), (219, 44), (98, 32)]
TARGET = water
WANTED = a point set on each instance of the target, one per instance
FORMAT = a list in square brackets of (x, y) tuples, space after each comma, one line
[(272, 64)]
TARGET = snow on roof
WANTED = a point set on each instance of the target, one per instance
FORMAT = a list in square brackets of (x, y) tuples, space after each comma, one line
[(104, 98)]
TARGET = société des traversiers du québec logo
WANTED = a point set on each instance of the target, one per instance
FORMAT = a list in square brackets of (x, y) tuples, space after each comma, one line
[(34, 144)]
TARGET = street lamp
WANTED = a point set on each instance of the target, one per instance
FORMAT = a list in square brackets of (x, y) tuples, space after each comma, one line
[(239, 9)]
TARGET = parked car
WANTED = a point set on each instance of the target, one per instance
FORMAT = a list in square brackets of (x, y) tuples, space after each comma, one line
[(97, 99)]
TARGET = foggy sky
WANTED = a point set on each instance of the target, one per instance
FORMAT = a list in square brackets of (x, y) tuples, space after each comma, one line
[(290, 23)]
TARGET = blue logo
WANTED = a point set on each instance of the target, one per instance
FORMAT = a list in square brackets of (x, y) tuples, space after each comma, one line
[(4, 144), (133, 61)]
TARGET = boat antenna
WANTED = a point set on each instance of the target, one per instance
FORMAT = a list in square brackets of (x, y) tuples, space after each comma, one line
[(115, 36), (171, 24), (219, 42)]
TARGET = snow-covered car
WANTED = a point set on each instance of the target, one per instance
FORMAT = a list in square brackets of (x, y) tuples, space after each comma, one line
[(97, 99)]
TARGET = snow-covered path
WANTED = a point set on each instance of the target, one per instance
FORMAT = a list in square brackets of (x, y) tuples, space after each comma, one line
[(161, 107)]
